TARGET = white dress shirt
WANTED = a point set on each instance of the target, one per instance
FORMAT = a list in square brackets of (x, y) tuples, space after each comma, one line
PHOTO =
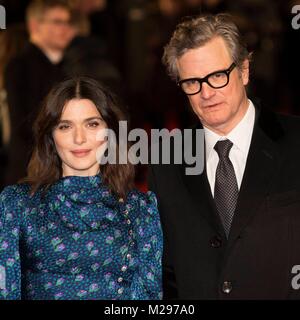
[(240, 136)]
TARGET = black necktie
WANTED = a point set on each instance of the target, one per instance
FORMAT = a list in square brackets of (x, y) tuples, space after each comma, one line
[(226, 188)]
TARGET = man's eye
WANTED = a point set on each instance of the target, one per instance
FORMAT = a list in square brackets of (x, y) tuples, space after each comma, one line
[(190, 83), (219, 75)]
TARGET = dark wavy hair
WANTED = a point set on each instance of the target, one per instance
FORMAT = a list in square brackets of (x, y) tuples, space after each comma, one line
[(45, 166)]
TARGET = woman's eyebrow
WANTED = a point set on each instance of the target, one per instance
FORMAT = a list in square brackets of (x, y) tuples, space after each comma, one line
[(93, 118), (85, 120), (64, 121)]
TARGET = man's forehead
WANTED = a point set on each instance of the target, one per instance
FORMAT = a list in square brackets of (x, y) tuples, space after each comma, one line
[(212, 56), (57, 11)]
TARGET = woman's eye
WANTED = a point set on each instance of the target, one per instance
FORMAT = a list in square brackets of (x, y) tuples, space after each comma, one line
[(93, 124), (63, 127)]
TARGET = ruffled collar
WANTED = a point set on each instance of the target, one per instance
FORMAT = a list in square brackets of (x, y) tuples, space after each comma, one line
[(84, 203), (85, 190)]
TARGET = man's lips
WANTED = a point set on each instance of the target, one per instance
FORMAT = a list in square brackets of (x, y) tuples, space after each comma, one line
[(211, 105), (81, 153)]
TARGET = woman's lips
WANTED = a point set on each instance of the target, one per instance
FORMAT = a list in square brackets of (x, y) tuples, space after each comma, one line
[(81, 153)]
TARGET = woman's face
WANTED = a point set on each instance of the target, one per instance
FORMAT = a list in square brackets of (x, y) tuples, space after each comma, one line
[(75, 138)]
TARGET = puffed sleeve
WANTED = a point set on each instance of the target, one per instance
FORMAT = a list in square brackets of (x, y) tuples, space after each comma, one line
[(147, 282), (10, 270)]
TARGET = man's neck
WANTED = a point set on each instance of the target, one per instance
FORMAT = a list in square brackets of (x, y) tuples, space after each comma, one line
[(54, 55)]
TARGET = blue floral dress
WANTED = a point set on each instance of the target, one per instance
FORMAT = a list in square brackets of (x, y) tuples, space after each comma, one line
[(78, 241)]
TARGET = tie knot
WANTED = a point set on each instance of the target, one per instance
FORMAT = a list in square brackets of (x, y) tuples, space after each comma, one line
[(223, 148)]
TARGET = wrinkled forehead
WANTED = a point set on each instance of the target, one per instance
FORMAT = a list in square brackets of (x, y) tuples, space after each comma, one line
[(212, 56)]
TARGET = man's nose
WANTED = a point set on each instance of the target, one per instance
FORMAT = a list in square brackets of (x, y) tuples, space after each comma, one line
[(207, 91), (79, 136)]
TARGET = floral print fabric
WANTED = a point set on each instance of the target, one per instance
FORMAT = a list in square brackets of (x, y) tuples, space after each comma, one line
[(76, 240)]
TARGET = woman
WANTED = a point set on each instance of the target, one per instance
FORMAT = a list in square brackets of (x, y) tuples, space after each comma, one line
[(76, 229)]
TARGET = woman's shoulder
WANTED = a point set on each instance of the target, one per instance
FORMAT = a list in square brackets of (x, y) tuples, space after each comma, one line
[(13, 199), (13, 194), (142, 199)]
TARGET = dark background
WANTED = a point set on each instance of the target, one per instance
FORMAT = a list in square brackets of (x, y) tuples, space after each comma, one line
[(134, 33)]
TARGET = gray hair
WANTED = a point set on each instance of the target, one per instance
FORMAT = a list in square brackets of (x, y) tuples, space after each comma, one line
[(196, 32)]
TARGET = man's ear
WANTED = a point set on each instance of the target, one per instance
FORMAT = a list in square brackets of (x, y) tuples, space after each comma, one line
[(245, 72)]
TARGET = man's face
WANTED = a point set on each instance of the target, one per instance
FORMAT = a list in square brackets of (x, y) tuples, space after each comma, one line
[(218, 109), (54, 28)]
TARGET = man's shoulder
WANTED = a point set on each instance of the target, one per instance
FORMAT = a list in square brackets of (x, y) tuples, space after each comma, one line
[(283, 130), (290, 122), (278, 126), (290, 127), (28, 55), (19, 62)]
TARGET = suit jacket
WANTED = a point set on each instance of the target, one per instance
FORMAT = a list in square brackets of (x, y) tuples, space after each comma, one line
[(256, 260)]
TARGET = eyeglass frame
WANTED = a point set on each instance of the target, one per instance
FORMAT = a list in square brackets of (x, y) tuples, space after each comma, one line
[(205, 79)]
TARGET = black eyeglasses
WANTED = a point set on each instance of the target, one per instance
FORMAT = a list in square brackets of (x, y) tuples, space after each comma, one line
[(216, 80)]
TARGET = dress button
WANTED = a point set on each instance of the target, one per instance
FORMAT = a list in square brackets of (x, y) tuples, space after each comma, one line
[(216, 242), (126, 212), (132, 243), (124, 268), (130, 232), (120, 291), (120, 279), (227, 287), (128, 221), (128, 256)]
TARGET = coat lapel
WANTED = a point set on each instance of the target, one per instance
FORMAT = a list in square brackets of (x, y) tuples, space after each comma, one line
[(262, 165), (201, 196), (199, 189)]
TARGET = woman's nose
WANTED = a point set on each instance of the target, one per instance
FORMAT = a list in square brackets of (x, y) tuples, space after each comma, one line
[(79, 136)]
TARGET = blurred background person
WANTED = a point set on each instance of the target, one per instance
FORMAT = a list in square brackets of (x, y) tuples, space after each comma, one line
[(11, 42), (165, 104), (103, 20), (30, 75), (120, 43), (289, 63), (89, 54)]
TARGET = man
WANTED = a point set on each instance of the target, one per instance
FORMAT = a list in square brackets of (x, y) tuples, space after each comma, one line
[(32, 73), (232, 232)]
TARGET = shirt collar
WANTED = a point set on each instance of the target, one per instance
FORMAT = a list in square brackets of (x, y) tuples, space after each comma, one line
[(240, 136)]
